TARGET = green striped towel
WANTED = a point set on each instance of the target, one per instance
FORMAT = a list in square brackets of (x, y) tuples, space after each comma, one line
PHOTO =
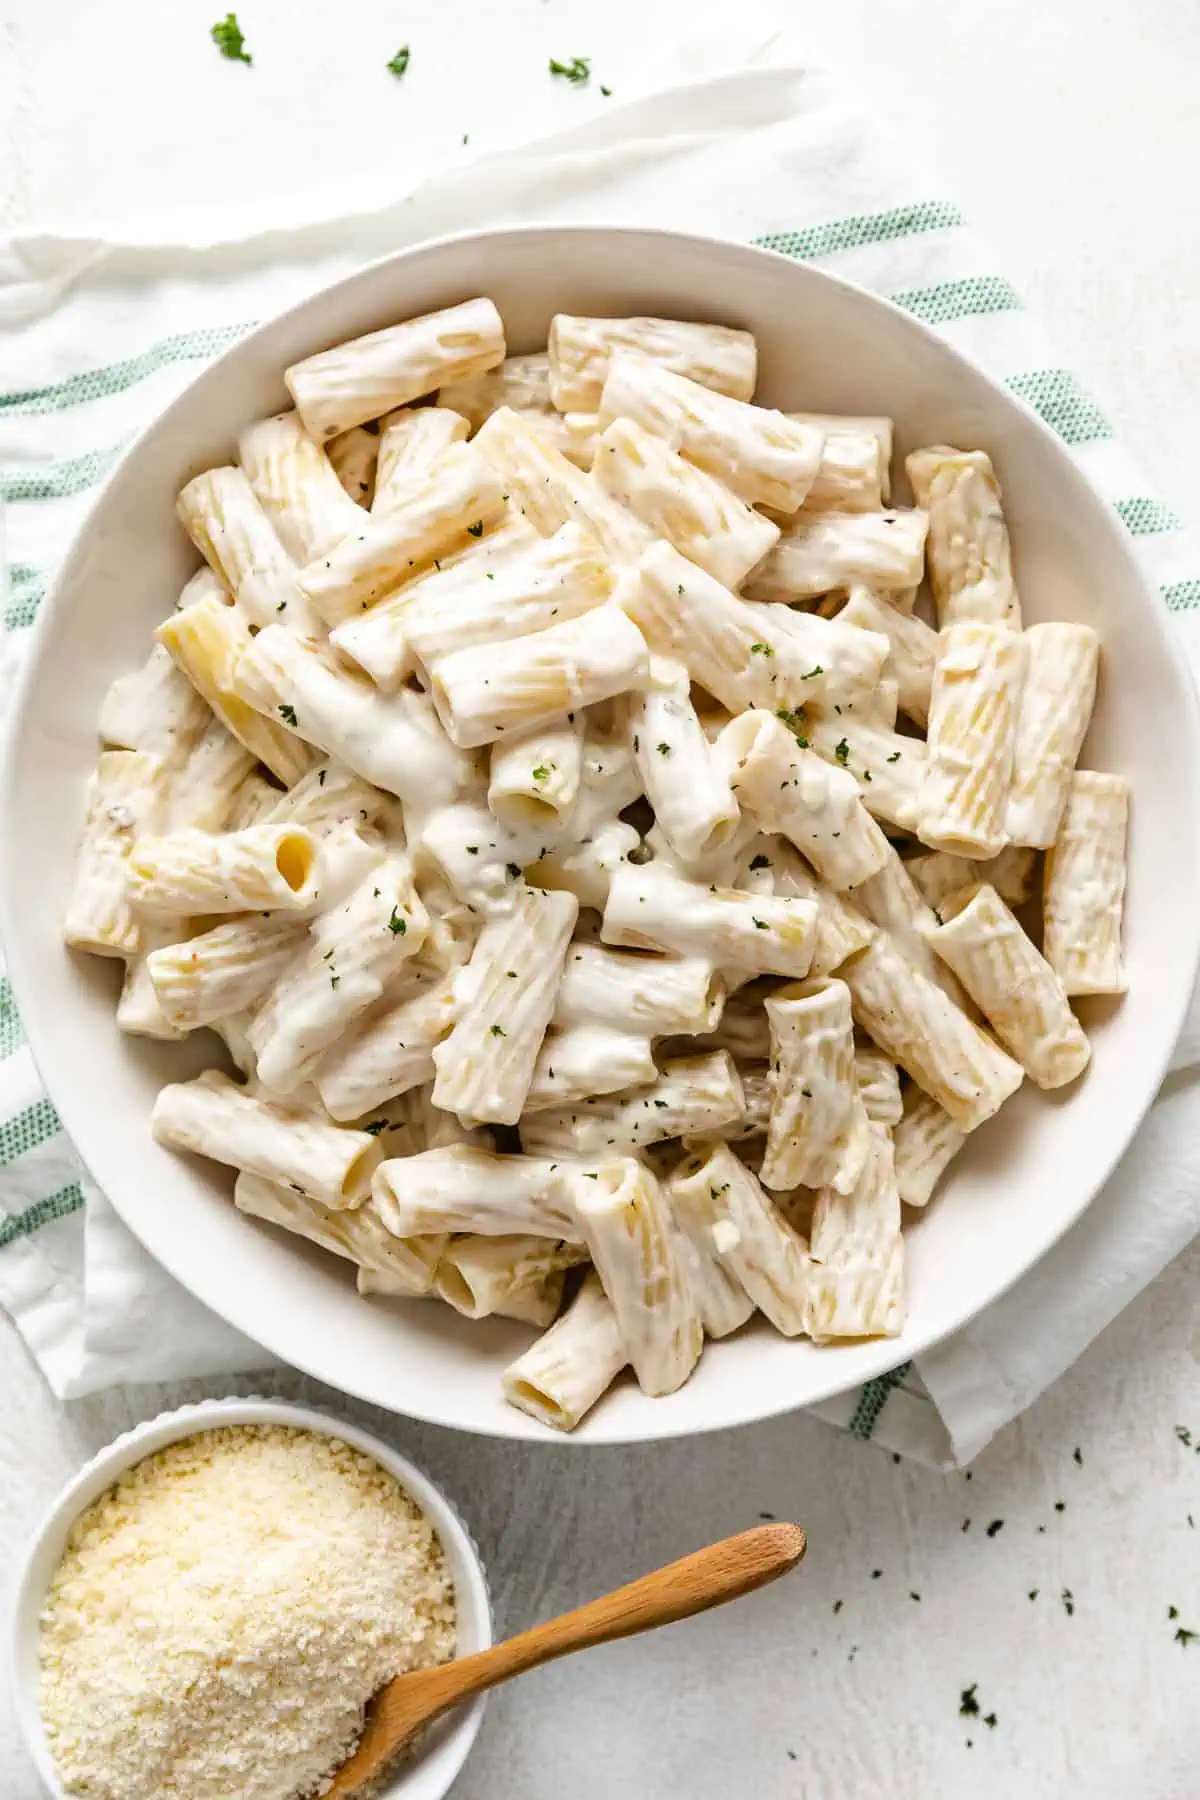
[(106, 333)]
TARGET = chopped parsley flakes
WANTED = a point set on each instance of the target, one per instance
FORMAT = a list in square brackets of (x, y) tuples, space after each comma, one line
[(226, 34), (476, 530), (398, 64), (288, 714), (842, 752), (397, 924), (578, 70), (498, 1031)]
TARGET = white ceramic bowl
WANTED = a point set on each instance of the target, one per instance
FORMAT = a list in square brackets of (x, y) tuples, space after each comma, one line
[(825, 346), (427, 1775)]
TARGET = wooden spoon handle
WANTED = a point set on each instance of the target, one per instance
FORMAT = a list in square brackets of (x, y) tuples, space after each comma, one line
[(707, 1578)]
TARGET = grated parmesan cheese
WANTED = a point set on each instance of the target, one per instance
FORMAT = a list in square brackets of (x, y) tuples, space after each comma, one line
[(223, 1613)]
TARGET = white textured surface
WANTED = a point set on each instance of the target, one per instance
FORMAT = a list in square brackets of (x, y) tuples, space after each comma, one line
[(1073, 135)]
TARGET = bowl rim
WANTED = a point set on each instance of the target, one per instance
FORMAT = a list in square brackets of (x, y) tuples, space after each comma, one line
[(1150, 1072), (456, 1735)]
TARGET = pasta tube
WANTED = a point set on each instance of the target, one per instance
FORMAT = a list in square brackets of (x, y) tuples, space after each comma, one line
[(627, 1225), (888, 769), (790, 790), (582, 351), (551, 492), (1062, 664), (522, 382), (1013, 986), (856, 1283), (390, 1053), (354, 457), (266, 867), (482, 692), (222, 971), (693, 802), (460, 1188), (693, 1094), (212, 783), (912, 653), (222, 516), (508, 991), (938, 874), (719, 1201), (561, 1377), (703, 518), (340, 388), (252, 801), (818, 1132), (970, 563), (653, 908), (392, 741), (212, 1116), (854, 472), (579, 1061), (295, 484), (916, 1023), (505, 1277), (409, 439), (925, 1141), (1084, 891), (514, 583), (741, 656), (825, 550), (891, 900), (328, 796), (449, 501), (353, 952), (399, 1265), (646, 996), (480, 856), (208, 640), (764, 457), (533, 776), (878, 1081), (841, 928), (156, 709), (122, 798), (973, 711)]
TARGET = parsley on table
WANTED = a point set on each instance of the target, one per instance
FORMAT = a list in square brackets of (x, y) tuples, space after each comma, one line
[(396, 924), (578, 70), (226, 34), (398, 64), (288, 714)]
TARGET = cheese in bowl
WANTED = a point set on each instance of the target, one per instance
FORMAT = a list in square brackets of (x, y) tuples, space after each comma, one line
[(609, 835), (221, 1614)]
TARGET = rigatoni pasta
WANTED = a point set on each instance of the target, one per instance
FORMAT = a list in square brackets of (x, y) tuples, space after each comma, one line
[(558, 801)]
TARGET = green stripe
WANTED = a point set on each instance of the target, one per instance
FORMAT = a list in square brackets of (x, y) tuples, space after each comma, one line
[(873, 1399), (43, 1212), (1142, 517), (27, 1131), (58, 480), (98, 384), (1181, 596), (11, 1034), (1057, 397), (862, 229), (26, 593), (951, 300)]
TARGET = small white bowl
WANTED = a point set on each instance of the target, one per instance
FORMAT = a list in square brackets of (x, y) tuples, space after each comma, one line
[(426, 1776)]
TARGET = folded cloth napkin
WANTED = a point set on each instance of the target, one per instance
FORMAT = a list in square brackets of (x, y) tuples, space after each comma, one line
[(106, 332)]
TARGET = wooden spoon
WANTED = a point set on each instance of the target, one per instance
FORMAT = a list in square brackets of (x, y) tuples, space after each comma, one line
[(709, 1577)]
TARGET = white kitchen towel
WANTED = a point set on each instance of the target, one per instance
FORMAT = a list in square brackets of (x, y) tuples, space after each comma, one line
[(101, 333)]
